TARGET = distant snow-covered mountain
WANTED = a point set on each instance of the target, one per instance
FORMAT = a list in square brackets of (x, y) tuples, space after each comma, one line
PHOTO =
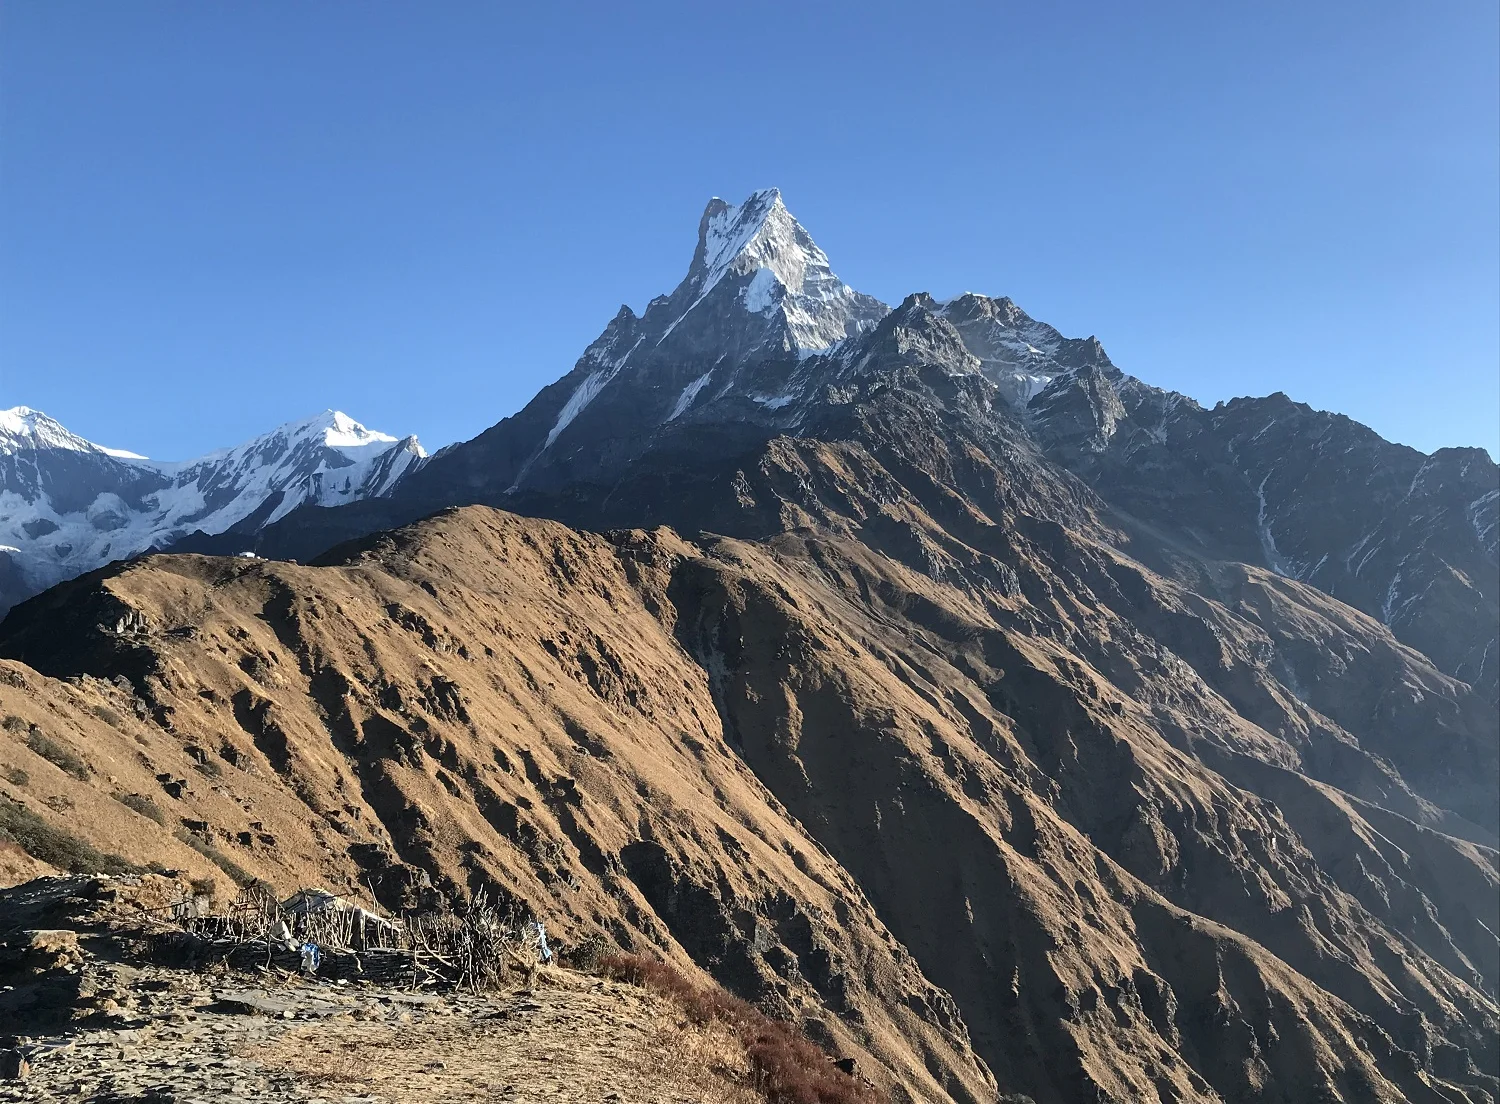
[(760, 336), (68, 505)]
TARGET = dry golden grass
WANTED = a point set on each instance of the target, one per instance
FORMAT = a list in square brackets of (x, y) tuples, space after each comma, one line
[(784, 1066), (520, 704), (335, 1066)]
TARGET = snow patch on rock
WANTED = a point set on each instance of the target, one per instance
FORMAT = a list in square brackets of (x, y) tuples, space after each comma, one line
[(689, 393)]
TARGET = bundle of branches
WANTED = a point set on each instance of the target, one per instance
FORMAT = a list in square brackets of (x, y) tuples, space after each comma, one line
[(249, 917), (311, 916), (334, 926), (188, 950), (475, 947), (480, 944)]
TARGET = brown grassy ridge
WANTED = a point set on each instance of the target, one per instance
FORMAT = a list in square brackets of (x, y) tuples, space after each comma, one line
[(788, 1068)]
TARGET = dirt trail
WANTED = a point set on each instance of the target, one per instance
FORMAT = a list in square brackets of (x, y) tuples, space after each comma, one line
[(572, 1038)]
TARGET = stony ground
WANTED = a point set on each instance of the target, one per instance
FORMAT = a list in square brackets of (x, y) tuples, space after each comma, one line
[(184, 1038)]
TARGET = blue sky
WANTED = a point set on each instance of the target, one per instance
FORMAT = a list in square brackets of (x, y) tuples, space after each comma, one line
[(216, 217)]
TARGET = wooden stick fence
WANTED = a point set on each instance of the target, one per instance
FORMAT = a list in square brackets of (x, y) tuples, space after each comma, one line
[(476, 948)]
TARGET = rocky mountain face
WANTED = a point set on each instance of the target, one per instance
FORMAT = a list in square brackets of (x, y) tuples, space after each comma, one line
[(68, 505), (482, 701), (973, 825), (1407, 538), (990, 713)]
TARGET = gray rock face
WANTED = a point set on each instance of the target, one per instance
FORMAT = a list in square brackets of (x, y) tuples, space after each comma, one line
[(1407, 538), (1020, 355)]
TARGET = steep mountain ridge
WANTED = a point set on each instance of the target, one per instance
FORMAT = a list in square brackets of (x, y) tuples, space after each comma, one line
[(68, 505), (483, 701)]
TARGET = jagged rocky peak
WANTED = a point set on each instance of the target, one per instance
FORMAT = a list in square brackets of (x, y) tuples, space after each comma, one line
[(993, 337), (1018, 353), (913, 335), (759, 297), (758, 336), (762, 240), (768, 265)]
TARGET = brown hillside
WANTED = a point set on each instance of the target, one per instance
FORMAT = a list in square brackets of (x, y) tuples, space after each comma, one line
[(900, 781), (483, 700)]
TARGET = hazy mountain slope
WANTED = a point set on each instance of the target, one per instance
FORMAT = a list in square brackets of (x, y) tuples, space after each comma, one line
[(1409, 539)]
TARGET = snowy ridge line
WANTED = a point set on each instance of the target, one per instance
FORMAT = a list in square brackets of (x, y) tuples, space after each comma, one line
[(1485, 528), (585, 393), (68, 506), (689, 393), (23, 428)]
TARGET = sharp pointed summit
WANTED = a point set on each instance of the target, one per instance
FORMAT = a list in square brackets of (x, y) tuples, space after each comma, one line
[(745, 327), (775, 270)]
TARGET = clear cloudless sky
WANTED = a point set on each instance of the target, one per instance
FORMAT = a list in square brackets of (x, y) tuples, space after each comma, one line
[(217, 217)]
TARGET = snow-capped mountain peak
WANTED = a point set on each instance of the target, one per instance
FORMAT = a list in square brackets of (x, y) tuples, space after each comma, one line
[(24, 428), (759, 234), (758, 299), (327, 459), (776, 268), (331, 429), (338, 430), (68, 505)]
